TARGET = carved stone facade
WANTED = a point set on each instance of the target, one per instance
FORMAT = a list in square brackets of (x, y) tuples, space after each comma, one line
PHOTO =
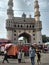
[(30, 28)]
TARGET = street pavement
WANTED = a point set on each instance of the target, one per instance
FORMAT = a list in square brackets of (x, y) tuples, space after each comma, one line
[(26, 60)]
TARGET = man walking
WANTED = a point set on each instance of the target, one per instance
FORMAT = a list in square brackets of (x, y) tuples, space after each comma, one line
[(5, 57), (32, 54)]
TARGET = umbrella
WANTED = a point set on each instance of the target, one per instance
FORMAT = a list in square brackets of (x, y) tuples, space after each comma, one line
[(8, 45)]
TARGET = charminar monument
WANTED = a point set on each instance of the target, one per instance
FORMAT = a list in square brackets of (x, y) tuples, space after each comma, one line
[(28, 27)]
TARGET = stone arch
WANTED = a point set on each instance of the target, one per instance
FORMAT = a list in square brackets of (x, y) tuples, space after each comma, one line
[(25, 35)]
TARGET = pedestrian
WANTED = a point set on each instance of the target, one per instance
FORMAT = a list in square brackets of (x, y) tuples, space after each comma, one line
[(32, 54), (5, 57), (19, 56), (38, 52)]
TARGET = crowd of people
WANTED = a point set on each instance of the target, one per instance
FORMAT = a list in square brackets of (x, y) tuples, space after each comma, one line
[(33, 51)]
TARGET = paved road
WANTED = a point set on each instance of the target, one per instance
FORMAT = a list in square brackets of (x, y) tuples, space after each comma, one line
[(44, 60)]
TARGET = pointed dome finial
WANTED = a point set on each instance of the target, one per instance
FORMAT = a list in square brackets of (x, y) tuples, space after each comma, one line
[(10, 3)]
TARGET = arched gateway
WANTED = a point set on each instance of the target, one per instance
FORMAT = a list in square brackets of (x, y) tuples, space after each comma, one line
[(29, 28), (26, 36)]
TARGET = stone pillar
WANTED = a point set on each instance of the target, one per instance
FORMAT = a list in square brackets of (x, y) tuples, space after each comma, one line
[(32, 39), (38, 37)]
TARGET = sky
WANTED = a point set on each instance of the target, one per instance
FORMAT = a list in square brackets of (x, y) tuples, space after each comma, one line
[(26, 6)]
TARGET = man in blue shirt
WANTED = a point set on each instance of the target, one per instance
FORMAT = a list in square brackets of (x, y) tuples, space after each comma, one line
[(32, 54)]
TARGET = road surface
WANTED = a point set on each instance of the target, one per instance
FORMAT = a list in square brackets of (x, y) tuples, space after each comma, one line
[(44, 60)]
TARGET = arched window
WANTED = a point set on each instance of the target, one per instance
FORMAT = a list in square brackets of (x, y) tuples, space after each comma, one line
[(33, 34), (14, 30), (27, 26), (21, 25), (33, 26), (14, 25), (14, 34), (30, 26), (18, 25)]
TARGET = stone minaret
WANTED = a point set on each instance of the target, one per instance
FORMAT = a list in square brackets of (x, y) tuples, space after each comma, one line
[(9, 20), (38, 25), (36, 10), (10, 9)]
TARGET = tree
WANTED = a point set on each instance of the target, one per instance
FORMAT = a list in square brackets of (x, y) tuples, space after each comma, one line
[(44, 38)]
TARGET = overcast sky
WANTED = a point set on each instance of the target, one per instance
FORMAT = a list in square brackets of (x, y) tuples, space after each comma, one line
[(26, 6)]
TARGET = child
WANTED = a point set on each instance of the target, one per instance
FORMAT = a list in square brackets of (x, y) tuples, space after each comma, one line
[(19, 56)]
